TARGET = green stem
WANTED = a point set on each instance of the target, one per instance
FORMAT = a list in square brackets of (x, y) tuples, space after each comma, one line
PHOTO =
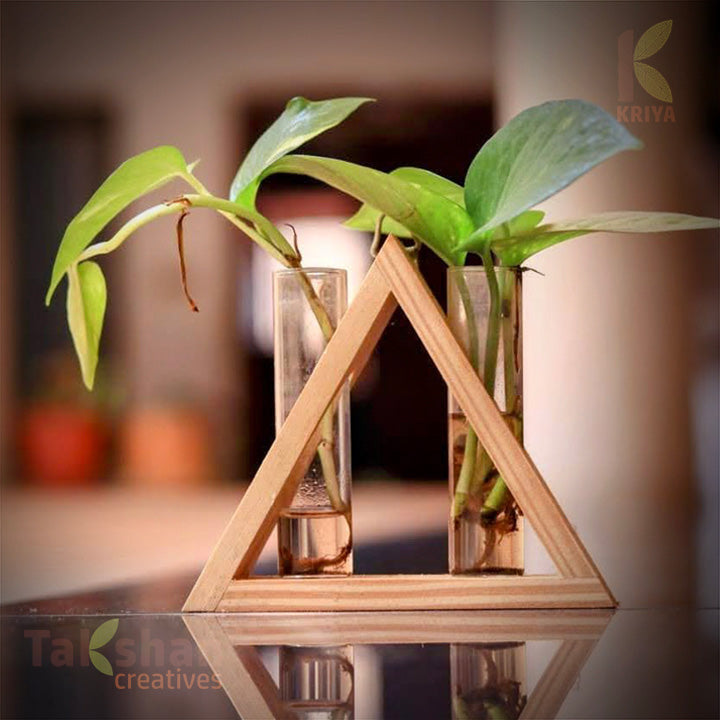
[(467, 469), (326, 446), (493, 333), (472, 473), (496, 497), (289, 257), (143, 218), (508, 340), (281, 250)]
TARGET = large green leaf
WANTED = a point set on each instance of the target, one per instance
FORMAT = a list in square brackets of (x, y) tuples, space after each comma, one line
[(519, 247), (431, 218), (520, 225), (133, 179), (301, 121), (366, 217), (86, 301), (538, 153)]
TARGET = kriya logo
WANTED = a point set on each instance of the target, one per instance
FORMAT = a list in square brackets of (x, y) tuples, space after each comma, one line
[(631, 67)]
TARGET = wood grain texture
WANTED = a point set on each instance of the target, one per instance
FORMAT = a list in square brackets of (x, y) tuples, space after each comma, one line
[(240, 670), (275, 483), (558, 679), (411, 592), (392, 278), (522, 477), (410, 627)]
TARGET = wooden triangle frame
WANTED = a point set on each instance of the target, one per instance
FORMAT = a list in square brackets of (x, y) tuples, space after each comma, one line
[(225, 584)]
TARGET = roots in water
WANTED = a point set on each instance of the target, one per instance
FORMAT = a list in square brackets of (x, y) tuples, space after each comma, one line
[(315, 543)]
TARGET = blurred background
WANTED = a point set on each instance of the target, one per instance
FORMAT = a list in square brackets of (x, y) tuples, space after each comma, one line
[(622, 388)]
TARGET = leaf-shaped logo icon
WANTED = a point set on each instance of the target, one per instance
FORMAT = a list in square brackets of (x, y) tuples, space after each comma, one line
[(101, 637), (653, 82), (652, 40), (101, 663), (104, 634)]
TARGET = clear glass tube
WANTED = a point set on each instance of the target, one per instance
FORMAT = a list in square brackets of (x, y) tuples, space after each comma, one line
[(314, 533), (488, 681), (486, 525)]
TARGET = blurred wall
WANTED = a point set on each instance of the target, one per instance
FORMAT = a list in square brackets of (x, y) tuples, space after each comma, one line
[(179, 73), (611, 325)]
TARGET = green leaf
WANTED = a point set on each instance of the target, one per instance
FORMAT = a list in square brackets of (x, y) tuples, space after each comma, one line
[(519, 225), (86, 301), (301, 121), (101, 663), (366, 217), (434, 220), (433, 182), (539, 152), (104, 634), (133, 179), (515, 250)]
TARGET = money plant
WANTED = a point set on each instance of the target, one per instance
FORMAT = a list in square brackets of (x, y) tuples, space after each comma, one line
[(537, 154)]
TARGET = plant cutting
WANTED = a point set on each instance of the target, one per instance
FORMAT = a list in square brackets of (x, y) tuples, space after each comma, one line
[(327, 479), (537, 154)]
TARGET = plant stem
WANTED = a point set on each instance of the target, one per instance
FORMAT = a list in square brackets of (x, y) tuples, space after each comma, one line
[(471, 476), (508, 339), (326, 447), (467, 469), (490, 507), (290, 258), (281, 250)]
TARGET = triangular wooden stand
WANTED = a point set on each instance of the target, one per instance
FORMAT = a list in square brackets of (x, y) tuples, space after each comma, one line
[(225, 584), (229, 644)]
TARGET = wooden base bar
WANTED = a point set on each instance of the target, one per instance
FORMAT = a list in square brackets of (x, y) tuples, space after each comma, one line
[(412, 592)]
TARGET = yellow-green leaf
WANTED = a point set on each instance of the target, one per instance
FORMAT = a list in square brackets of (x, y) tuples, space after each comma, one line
[(301, 121), (431, 218), (518, 248), (86, 302), (133, 179), (366, 217)]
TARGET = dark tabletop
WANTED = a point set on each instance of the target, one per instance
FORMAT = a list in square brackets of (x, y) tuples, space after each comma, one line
[(155, 663)]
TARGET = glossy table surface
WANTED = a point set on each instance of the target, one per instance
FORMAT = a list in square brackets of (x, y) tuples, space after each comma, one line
[(639, 663)]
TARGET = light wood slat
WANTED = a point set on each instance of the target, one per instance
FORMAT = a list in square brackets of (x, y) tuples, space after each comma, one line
[(525, 482), (558, 679), (411, 592), (240, 670), (275, 483), (393, 277), (410, 627)]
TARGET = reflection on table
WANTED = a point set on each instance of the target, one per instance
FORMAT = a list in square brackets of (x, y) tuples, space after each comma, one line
[(307, 666)]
